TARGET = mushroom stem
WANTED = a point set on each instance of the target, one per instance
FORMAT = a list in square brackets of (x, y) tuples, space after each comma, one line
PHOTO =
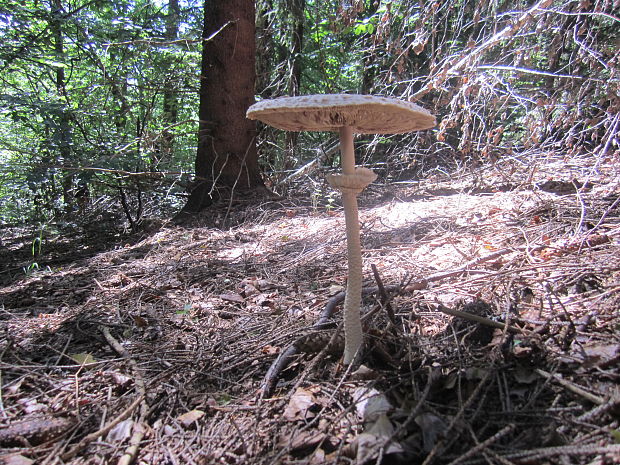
[(352, 323), (347, 152), (353, 298)]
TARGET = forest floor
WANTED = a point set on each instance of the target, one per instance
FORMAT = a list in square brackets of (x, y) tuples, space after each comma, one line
[(502, 345)]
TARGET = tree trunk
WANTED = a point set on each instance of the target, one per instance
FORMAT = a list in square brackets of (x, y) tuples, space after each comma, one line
[(265, 45), (170, 98), (227, 159), (64, 128), (296, 9)]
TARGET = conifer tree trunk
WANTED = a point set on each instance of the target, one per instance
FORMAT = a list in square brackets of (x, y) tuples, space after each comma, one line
[(227, 159), (170, 98), (264, 48), (64, 128), (296, 9)]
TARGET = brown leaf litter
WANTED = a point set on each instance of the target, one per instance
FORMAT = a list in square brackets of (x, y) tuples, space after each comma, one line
[(502, 345)]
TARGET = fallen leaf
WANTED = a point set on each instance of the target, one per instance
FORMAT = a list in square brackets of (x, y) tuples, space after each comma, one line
[(370, 404), (169, 431), (299, 406), (140, 321), (249, 290), (432, 428), (121, 380), (530, 313), (379, 432), (31, 406), (190, 417), (15, 387), (364, 373), (300, 440), (16, 459), (335, 289), (258, 283), (600, 354), (270, 350), (525, 375), (82, 358), (265, 300), (232, 297), (121, 431)]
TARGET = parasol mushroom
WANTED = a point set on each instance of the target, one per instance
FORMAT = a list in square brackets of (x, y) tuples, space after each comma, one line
[(347, 114)]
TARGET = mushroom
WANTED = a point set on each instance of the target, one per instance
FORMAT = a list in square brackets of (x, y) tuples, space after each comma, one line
[(347, 114)]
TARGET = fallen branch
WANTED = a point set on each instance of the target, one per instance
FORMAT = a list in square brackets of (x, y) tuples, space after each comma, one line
[(285, 357), (484, 444), (482, 320), (571, 387), (385, 298), (159, 43), (535, 455)]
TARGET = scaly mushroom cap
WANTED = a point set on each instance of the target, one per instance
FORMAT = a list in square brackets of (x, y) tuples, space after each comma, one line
[(365, 114)]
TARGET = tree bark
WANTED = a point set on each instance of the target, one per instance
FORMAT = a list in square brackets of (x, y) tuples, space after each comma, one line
[(265, 45), (64, 128), (296, 10), (170, 98), (171, 104), (227, 159)]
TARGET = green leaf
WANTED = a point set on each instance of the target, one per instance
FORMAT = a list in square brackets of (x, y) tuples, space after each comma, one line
[(363, 27), (83, 358), (50, 62)]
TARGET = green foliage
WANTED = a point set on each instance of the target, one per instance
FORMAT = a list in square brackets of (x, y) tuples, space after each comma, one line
[(81, 99), (502, 77), (96, 93)]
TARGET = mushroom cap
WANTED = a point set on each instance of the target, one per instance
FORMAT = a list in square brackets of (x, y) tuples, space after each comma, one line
[(366, 114)]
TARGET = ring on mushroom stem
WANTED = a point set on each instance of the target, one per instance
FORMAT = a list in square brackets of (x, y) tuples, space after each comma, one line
[(347, 114)]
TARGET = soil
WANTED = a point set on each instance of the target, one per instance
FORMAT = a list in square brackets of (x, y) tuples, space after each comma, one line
[(495, 340)]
